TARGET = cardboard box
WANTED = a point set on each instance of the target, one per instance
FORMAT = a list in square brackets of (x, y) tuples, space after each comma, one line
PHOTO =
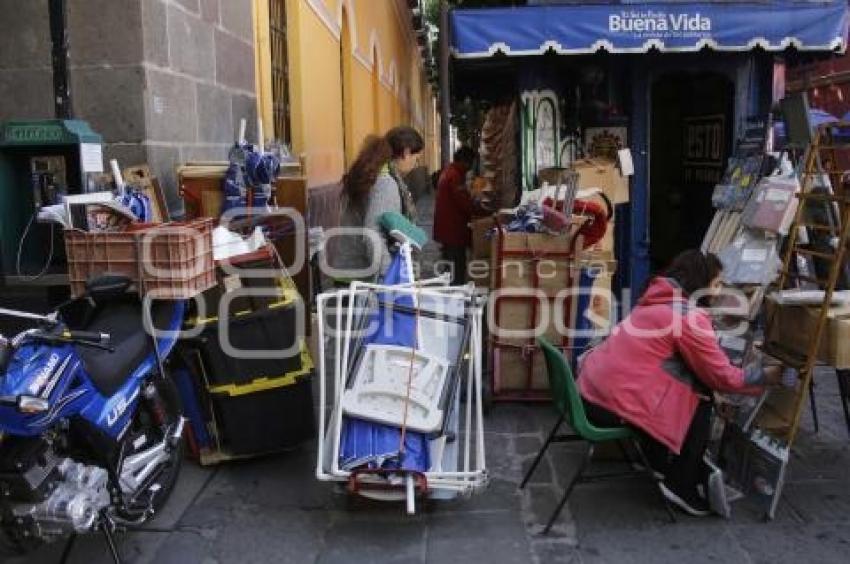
[(480, 243), (479, 272), (511, 362), (602, 302), (791, 327), (511, 374), (553, 271), (603, 174)]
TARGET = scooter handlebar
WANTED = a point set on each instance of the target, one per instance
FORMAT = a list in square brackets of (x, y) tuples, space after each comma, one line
[(89, 337)]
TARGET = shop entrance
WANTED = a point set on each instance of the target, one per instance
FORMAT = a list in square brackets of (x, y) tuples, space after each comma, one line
[(690, 141)]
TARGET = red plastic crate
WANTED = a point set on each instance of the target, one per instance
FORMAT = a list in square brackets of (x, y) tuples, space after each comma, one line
[(169, 261)]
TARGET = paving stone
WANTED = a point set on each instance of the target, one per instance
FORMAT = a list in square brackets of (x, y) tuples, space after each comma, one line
[(746, 512), (192, 49), (502, 462), (819, 501), (249, 537), (281, 481), (500, 495), (542, 474), (515, 418), (134, 548), (673, 544), (234, 62), (529, 445), (539, 503), (350, 540), (620, 504), (190, 483), (494, 538), (564, 459), (792, 544), (821, 463), (557, 552)]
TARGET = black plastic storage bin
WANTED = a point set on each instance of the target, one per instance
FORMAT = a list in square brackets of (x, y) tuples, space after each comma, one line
[(270, 329), (272, 419)]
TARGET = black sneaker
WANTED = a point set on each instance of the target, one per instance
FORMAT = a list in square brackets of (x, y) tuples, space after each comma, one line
[(691, 503)]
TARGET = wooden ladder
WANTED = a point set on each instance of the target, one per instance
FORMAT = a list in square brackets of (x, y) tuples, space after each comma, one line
[(791, 277)]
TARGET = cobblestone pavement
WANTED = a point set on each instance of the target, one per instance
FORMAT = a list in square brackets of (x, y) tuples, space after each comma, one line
[(272, 510)]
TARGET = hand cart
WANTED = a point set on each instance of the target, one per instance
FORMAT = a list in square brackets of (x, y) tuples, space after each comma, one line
[(431, 390)]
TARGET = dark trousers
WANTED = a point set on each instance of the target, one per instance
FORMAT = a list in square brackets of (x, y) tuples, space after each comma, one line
[(683, 471), (457, 257)]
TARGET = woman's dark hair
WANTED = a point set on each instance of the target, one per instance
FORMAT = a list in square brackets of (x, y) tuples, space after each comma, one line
[(694, 270), (374, 154), (465, 155)]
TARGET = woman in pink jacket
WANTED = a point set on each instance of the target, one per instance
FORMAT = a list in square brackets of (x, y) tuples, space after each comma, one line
[(657, 369)]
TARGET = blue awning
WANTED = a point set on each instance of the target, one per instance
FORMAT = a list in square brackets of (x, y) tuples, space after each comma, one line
[(638, 27)]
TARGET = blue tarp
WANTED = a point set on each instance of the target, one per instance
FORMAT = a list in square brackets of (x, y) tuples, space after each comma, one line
[(364, 443), (638, 27)]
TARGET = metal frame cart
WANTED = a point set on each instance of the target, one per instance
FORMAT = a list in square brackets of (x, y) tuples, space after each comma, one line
[(517, 304), (447, 322)]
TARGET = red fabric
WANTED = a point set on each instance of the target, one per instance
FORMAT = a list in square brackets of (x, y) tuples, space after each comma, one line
[(594, 229), (555, 220), (630, 375), (452, 208)]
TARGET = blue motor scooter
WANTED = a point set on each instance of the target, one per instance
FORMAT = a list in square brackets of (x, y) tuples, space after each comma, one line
[(90, 423)]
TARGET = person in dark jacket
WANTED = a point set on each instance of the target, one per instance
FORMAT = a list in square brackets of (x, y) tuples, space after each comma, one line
[(453, 211), (657, 369)]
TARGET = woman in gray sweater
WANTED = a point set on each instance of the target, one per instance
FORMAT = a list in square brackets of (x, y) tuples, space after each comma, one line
[(372, 186)]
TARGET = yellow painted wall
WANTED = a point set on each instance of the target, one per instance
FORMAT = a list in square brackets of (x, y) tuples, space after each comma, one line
[(314, 28)]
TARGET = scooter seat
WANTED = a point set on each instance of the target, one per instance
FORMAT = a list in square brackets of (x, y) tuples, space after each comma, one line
[(123, 321)]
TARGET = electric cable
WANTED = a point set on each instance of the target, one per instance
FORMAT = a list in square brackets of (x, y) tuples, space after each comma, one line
[(21, 251)]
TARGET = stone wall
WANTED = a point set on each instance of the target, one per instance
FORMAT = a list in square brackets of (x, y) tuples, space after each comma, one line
[(164, 81), (199, 69)]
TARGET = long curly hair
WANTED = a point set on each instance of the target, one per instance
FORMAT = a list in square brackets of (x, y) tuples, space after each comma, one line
[(376, 152)]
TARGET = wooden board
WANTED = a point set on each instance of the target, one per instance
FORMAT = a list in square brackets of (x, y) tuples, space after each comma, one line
[(291, 192)]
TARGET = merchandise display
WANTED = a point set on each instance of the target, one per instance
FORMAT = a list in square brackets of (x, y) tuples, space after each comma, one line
[(499, 152), (738, 182), (750, 259), (773, 205)]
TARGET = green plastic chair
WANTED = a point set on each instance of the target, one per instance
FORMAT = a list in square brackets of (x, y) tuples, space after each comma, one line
[(570, 408)]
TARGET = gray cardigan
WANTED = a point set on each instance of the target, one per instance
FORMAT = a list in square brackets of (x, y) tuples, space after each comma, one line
[(354, 252)]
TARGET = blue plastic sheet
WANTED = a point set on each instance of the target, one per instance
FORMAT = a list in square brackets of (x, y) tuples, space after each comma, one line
[(364, 443)]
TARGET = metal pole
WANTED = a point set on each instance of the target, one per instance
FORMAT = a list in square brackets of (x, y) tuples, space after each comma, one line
[(59, 38), (445, 93)]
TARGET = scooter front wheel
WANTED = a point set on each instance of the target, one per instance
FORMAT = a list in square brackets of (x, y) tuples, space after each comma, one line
[(148, 421)]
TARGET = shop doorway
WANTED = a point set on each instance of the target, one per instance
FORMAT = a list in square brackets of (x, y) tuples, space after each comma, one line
[(690, 142)]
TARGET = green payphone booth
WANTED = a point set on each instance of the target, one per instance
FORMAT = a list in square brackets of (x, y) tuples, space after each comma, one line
[(40, 161)]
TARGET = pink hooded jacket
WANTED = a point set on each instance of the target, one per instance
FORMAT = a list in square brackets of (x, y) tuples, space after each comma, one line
[(650, 367)]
